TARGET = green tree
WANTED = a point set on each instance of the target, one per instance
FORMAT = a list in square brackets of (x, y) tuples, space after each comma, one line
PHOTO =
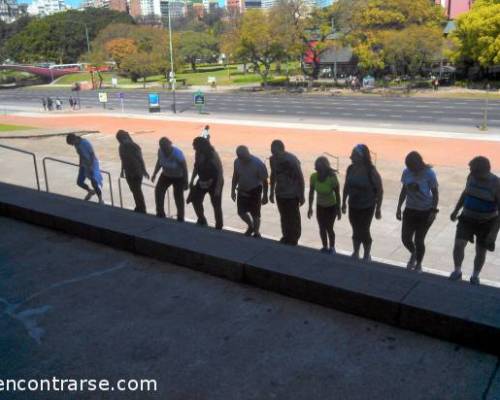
[(476, 39), (60, 37), (381, 32), (257, 40), (143, 50), (197, 45)]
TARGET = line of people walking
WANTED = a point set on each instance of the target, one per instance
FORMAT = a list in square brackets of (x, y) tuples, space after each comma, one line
[(477, 210)]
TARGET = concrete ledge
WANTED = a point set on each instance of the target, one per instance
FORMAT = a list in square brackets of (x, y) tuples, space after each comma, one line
[(423, 303)]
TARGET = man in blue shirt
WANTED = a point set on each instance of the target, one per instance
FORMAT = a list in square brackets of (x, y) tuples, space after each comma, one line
[(479, 220), (89, 166)]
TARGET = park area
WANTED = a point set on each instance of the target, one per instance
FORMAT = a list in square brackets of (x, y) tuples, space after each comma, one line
[(449, 156)]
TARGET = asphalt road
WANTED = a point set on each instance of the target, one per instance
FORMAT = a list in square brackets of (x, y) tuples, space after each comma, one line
[(360, 110)]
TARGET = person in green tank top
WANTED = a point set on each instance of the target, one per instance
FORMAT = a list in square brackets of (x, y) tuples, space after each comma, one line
[(325, 184)]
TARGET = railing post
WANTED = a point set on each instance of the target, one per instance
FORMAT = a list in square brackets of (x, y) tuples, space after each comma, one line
[(120, 191), (30, 154), (45, 175)]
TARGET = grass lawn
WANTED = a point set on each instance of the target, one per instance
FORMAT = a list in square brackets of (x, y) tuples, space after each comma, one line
[(223, 76), (10, 128)]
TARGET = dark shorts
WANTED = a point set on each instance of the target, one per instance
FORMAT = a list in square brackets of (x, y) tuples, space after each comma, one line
[(250, 202), (467, 229)]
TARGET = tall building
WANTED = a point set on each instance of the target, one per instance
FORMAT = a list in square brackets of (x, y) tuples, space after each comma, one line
[(177, 8), (10, 10), (234, 5), (454, 8), (46, 7)]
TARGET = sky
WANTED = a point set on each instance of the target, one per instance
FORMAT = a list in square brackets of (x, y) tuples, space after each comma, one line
[(72, 3)]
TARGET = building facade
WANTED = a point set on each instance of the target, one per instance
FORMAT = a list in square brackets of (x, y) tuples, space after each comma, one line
[(10, 10), (43, 8)]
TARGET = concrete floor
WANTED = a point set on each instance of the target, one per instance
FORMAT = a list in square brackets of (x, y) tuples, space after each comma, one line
[(74, 309), (387, 243)]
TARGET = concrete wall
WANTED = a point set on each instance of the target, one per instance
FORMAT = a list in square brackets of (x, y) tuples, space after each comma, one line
[(429, 304)]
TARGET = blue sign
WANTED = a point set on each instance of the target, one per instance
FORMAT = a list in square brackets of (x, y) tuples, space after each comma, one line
[(121, 96), (199, 98), (154, 100)]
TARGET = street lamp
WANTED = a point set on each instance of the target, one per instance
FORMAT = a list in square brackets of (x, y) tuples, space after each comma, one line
[(172, 74)]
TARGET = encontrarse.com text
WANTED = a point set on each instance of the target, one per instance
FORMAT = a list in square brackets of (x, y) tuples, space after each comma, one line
[(77, 385)]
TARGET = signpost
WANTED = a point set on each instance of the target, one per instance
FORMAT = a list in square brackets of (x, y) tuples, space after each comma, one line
[(103, 98), (121, 96), (199, 101), (154, 102)]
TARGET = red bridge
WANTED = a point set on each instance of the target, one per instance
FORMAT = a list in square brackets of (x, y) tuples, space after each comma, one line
[(47, 72)]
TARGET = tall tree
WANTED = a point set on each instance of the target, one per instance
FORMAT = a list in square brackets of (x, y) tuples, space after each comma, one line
[(60, 37), (476, 38), (257, 40), (380, 32), (197, 45)]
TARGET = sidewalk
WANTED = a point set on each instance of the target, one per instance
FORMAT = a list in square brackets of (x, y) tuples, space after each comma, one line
[(449, 156)]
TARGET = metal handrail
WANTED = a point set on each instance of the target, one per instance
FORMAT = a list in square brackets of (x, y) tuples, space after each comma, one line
[(28, 153), (45, 159), (143, 184)]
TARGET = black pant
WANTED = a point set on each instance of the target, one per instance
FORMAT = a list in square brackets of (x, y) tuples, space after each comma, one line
[(134, 183), (326, 218), (161, 188), (415, 226), (361, 220), (289, 210), (197, 197)]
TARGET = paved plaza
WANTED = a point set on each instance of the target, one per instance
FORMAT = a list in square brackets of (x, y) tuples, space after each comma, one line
[(449, 156)]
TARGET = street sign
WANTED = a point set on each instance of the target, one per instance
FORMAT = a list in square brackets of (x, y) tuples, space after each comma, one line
[(199, 101), (103, 97), (121, 96), (154, 102), (199, 98)]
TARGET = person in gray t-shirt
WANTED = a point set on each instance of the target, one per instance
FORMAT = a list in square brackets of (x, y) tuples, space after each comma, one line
[(250, 179), (287, 182), (420, 194)]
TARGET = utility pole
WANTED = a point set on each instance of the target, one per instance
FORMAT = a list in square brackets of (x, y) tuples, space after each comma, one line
[(87, 37), (172, 74)]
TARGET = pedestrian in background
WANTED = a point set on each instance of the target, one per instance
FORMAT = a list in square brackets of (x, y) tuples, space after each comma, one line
[(287, 186), (58, 104), (479, 220), (71, 103), (133, 167), (363, 190), (89, 166), (325, 184), (50, 104), (420, 193), (172, 162), (208, 170), (44, 104), (250, 179), (205, 133)]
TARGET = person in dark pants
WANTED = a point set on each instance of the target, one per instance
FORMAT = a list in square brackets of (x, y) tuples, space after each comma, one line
[(363, 189), (287, 185), (325, 183), (89, 166), (480, 205), (133, 168), (208, 169), (172, 162), (44, 104), (250, 178), (420, 192)]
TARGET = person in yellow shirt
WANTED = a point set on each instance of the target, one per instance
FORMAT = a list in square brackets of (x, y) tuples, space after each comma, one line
[(324, 182)]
